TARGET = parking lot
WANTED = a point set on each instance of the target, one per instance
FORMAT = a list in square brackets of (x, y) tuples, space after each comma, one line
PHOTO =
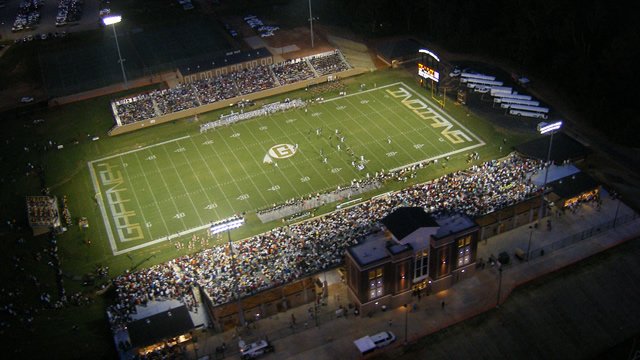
[(48, 12)]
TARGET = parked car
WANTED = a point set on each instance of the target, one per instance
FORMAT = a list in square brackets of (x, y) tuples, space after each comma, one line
[(383, 338), (256, 349), (370, 343)]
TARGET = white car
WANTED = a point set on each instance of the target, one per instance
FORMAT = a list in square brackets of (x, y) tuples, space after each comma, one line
[(256, 349), (383, 339), (26, 99)]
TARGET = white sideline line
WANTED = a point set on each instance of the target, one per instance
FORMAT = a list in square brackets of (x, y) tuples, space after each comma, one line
[(164, 238), (103, 210), (98, 193), (140, 149), (435, 108)]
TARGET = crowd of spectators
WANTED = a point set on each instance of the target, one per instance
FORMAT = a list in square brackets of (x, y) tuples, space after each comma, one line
[(43, 211), (329, 64), (160, 282), (136, 108), (292, 71), (291, 252), (66, 214), (176, 99), (225, 86), (253, 80)]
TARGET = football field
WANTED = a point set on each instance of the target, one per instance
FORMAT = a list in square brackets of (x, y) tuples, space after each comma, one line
[(155, 193)]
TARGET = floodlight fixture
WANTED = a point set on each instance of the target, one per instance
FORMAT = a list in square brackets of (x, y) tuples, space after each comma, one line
[(227, 224), (113, 20), (110, 20), (545, 128), (425, 51)]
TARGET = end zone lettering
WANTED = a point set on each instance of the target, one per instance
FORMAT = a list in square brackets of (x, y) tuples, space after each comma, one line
[(421, 109), (112, 179)]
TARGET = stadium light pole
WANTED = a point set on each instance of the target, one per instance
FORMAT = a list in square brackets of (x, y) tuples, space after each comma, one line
[(499, 286), (227, 225), (543, 129), (615, 218), (113, 20), (529, 246), (406, 323), (311, 24)]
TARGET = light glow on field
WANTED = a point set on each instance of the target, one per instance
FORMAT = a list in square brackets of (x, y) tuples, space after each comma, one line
[(177, 187)]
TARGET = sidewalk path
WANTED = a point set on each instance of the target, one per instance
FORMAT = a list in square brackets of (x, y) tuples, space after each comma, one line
[(333, 339)]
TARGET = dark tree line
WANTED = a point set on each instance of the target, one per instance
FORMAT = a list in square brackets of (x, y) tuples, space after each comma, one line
[(587, 50)]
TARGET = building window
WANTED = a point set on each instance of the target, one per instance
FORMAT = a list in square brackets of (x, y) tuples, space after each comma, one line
[(464, 251), (376, 284), (422, 264)]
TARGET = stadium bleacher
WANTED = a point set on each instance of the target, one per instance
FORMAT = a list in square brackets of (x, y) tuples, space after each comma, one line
[(206, 91)]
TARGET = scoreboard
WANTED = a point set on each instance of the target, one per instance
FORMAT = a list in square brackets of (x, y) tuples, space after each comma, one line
[(429, 65), (428, 73)]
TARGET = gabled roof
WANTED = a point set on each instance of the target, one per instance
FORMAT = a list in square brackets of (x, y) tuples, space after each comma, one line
[(405, 220), (164, 325), (563, 148), (573, 185)]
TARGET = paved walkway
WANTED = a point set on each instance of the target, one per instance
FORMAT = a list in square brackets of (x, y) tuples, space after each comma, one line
[(333, 337)]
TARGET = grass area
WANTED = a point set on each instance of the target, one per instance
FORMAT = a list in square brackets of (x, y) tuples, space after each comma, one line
[(200, 175), (182, 185), (91, 60)]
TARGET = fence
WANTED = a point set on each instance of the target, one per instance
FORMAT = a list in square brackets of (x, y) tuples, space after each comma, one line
[(583, 235)]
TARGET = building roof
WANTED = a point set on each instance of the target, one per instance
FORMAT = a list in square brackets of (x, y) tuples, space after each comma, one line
[(556, 172), (398, 49), (453, 224), (405, 220), (370, 250), (209, 62), (573, 185), (163, 325), (563, 148)]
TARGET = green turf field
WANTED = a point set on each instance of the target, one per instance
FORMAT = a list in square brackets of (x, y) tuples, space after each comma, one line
[(176, 187)]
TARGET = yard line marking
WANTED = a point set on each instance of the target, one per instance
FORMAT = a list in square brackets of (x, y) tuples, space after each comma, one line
[(295, 167), (444, 114), (241, 191), (183, 185), (246, 172), (202, 188), (140, 149), (311, 162), (354, 120), (394, 114), (169, 193), (376, 140), (162, 239), (135, 197), (153, 195)]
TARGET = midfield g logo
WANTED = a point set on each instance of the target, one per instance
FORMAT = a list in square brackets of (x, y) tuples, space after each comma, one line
[(282, 151)]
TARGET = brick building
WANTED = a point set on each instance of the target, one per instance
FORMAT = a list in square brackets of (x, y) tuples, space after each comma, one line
[(415, 251)]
